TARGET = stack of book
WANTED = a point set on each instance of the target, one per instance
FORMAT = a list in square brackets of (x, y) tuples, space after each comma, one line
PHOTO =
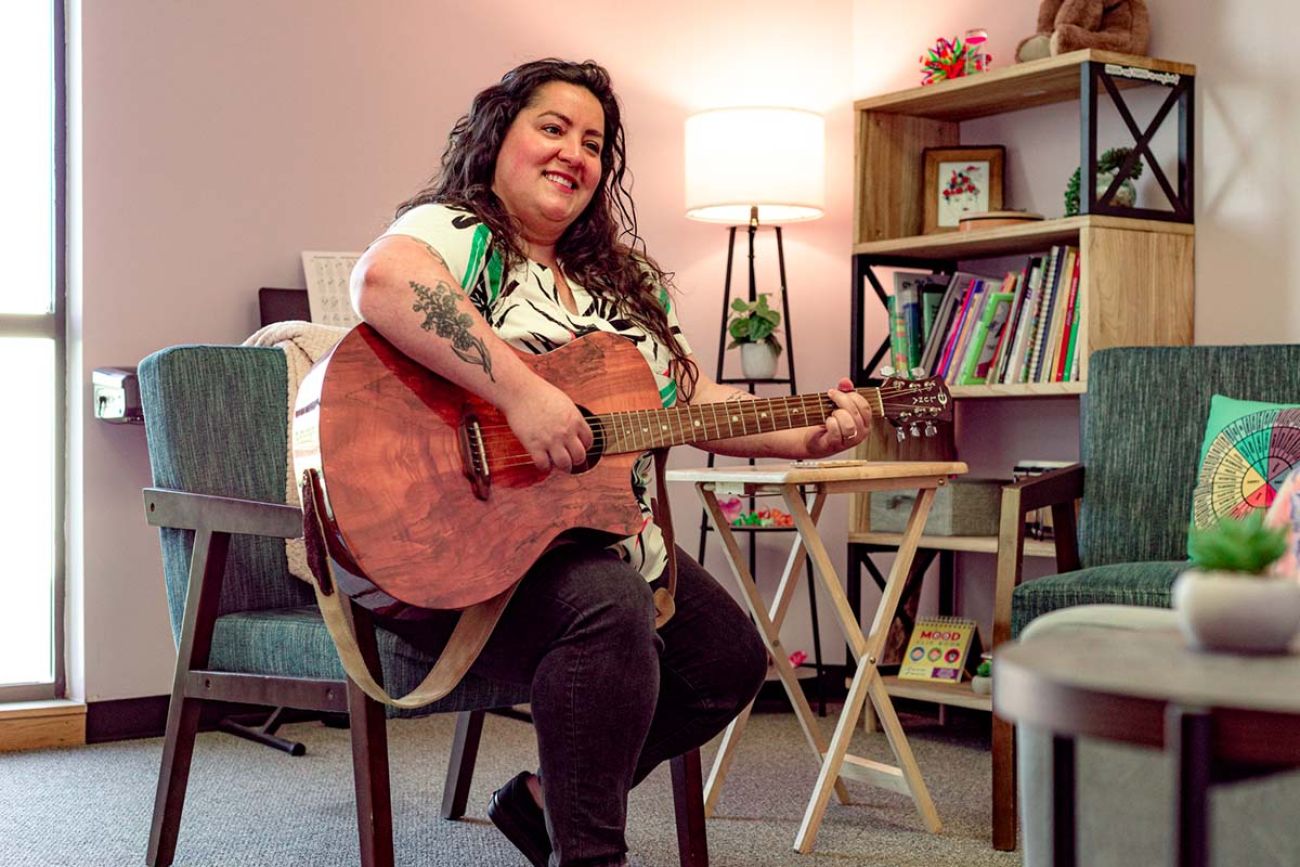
[(973, 329)]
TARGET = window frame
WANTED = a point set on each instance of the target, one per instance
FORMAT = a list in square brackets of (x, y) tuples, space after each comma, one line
[(53, 326)]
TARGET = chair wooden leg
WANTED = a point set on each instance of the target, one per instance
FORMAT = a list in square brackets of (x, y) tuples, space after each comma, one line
[(370, 769), (370, 753), (174, 775), (460, 764), (688, 803), (207, 567)]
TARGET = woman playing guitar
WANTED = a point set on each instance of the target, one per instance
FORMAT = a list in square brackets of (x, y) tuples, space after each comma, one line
[(518, 244)]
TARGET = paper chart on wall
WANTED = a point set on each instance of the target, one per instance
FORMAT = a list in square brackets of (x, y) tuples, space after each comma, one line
[(327, 287)]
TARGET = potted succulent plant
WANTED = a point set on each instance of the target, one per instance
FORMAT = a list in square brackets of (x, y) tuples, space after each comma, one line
[(1107, 166), (752, 328), (1229, 602)]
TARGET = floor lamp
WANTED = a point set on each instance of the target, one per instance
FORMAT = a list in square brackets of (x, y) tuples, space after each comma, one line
[(757, 167)]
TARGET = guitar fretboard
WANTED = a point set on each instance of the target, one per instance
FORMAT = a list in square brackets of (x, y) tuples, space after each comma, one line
[(642, 430)]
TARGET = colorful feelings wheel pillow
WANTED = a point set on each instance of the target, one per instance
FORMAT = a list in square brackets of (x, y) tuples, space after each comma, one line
[(1248, 451)]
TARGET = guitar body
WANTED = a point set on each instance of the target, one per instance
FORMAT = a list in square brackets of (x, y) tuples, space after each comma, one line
[(410, 525)]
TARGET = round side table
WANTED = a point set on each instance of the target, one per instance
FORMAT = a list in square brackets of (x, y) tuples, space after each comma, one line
[(1222, 717)]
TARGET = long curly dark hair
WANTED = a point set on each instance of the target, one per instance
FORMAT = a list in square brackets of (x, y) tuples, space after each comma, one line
[(601, 249)]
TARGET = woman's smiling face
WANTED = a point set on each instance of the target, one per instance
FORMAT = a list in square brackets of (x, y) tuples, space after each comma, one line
[(548, 167)]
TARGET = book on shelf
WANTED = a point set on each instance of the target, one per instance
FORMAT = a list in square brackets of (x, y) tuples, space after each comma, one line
[(933, 289), (915, 306), (934, 343), (983, 339), (1039, 339), (941, 650), (963, 320), (1014, 284), (907, 307), (1069, 328), (1026, 307), (897, 335), (974, 329)]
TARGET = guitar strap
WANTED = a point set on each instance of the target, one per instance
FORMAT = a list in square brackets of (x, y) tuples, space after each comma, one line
[(664, 605), (467, 639), (476, 622)]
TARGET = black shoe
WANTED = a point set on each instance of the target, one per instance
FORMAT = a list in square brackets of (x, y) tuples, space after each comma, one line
[(513, 810)]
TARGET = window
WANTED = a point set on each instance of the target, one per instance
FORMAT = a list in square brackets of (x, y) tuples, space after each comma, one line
[(32, 352)]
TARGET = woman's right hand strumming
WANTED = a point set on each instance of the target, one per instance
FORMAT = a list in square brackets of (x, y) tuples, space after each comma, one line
[(549, 426)]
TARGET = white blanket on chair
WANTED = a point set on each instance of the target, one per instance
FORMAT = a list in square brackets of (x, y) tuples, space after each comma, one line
[(303, 343)]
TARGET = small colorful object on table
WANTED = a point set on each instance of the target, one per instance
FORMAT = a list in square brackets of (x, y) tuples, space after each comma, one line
[(955, 58), (730, 508), (770, 517)]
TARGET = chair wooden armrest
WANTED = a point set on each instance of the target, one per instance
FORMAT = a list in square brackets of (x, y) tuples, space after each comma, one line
[(183, 510), (1055, 487), (1058, 489)]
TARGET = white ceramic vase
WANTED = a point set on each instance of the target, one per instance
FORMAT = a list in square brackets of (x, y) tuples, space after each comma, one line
[(758, 360), (1220, 611)]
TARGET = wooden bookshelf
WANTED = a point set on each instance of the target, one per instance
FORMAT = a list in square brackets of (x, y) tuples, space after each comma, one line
[(1136, 277), (1020, 389), (1011, 240), (954, 694), (1011, 88)]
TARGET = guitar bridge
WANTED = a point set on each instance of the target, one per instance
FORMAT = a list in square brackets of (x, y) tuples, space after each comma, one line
[(473, 455)]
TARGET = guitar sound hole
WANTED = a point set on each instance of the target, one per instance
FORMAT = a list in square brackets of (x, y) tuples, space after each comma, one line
[(597, 442)]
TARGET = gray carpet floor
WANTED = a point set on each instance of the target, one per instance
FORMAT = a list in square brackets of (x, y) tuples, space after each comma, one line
[(249, 805)]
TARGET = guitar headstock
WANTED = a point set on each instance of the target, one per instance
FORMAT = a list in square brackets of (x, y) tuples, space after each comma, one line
[(914, 405)]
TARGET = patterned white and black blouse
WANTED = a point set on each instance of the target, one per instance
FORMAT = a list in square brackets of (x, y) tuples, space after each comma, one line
[(524, 308)]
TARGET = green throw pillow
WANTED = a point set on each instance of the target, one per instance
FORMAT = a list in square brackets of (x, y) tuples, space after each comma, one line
[(1249, 448)]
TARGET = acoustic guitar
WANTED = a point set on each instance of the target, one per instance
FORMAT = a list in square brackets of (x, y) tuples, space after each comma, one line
[(432, 502)]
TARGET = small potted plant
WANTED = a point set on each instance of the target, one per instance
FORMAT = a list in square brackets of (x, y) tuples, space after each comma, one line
[(1107, 165), (1229, 602), (752, 327)]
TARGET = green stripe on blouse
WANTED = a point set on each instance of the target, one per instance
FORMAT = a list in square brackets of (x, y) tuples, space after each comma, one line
[(494, 269), (476, 250), (668, 394)]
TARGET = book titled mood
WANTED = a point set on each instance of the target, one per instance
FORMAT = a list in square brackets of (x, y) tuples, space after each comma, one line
[(937, 650)]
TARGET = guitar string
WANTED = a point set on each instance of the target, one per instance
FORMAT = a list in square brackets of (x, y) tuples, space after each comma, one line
[(748, 408), (512, 460), (494, 434)]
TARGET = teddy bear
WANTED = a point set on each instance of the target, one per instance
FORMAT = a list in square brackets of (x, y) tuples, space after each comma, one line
[(1123, 26)]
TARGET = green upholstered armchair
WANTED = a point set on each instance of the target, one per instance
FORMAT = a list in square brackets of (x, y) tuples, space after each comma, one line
[(246, 630), (1142, 424)]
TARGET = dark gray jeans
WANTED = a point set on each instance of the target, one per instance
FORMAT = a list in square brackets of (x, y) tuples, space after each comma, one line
[(611, 697)]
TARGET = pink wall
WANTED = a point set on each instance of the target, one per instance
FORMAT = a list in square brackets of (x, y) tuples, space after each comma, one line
[(219, 140)]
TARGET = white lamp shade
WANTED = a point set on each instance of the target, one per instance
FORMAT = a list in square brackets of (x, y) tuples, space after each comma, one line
[(769, 158)]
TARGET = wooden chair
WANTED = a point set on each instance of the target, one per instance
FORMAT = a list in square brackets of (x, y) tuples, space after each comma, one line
[(248, 632)]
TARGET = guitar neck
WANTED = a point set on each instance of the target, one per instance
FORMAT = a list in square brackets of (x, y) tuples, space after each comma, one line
[(643, 430)]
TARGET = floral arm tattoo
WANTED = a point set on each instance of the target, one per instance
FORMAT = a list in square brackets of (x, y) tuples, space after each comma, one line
[(442, 316)]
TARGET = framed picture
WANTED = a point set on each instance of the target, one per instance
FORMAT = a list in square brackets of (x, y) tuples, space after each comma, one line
[(958, 180)]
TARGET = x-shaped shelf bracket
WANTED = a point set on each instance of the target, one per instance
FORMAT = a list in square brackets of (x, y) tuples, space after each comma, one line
[(1095, 76)]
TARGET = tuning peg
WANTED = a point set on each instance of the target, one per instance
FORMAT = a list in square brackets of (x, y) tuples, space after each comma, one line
[(930, 429), (887, 371), (917, 372), (902, 434)]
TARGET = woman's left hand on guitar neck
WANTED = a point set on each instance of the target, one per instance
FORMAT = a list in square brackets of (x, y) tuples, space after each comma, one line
[(847, 426)]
